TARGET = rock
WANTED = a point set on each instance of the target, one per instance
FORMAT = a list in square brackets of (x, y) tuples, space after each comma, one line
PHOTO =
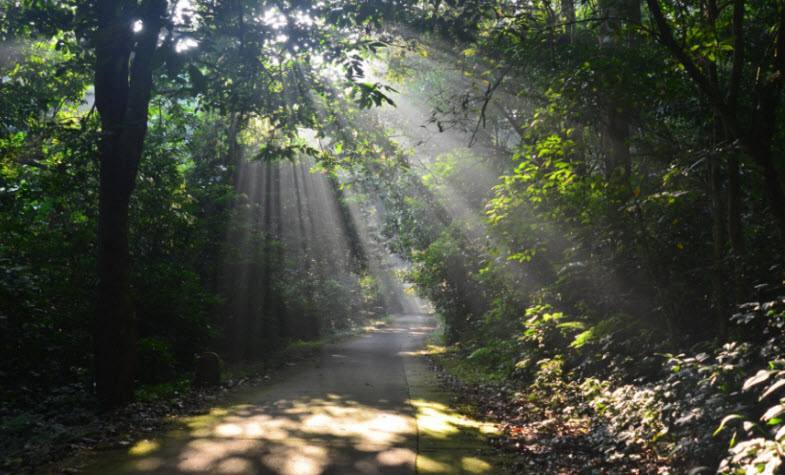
[(208, 370)]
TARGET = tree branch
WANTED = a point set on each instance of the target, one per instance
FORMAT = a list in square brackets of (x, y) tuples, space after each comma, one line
[(738, 53), (487, 99), (665, 33), (780, 53), (140, 83)]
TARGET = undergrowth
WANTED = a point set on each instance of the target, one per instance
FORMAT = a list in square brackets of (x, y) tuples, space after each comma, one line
[(719, 408)]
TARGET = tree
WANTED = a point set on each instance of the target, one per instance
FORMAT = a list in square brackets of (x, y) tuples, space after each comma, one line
[(124, 56), (754, 124)]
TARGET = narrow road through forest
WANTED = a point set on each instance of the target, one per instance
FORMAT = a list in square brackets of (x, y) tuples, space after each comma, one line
[(367, 405)]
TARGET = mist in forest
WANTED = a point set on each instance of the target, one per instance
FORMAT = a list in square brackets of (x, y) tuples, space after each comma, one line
[(566, 215)]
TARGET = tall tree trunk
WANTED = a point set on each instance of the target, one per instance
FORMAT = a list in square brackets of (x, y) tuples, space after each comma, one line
[(618, 141), (568, 16), (619, 14), (735, 233), (761, 153), (268, 330), (735, 230), (279, 307), (719, 243), (358, 259), (115, 332), (122, 97), (719, 300)]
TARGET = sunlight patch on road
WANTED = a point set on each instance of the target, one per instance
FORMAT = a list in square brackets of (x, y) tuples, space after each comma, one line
[(234, 465), (202, 455), (445, 463), (148, 464), (398, 456), (475, 465), (438, 420), (296, 438), (299, 458), (426, 464), (144, 447), (427, 351)]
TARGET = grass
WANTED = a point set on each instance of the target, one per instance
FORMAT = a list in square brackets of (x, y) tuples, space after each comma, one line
[(460, 363), (163, 391), (454, 361)]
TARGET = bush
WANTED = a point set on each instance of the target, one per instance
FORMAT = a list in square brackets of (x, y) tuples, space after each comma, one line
[(156, 361)]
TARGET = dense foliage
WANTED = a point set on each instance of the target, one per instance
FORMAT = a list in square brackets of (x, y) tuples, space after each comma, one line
[(192, 226), (631, 217), (591, 194)]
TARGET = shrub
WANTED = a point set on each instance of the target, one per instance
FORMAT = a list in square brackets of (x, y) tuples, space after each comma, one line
[(156, 361)]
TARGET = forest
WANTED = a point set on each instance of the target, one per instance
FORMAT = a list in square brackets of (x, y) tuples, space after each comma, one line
[(588, 196)]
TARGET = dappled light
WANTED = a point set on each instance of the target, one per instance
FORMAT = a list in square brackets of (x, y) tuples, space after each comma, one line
[(440, 421), (411, 236), (347, 428)]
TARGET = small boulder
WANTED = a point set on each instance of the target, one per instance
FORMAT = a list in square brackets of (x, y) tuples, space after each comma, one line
[(208, 370)]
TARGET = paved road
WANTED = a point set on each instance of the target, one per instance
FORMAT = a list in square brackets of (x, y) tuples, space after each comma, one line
[(350, 411)]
